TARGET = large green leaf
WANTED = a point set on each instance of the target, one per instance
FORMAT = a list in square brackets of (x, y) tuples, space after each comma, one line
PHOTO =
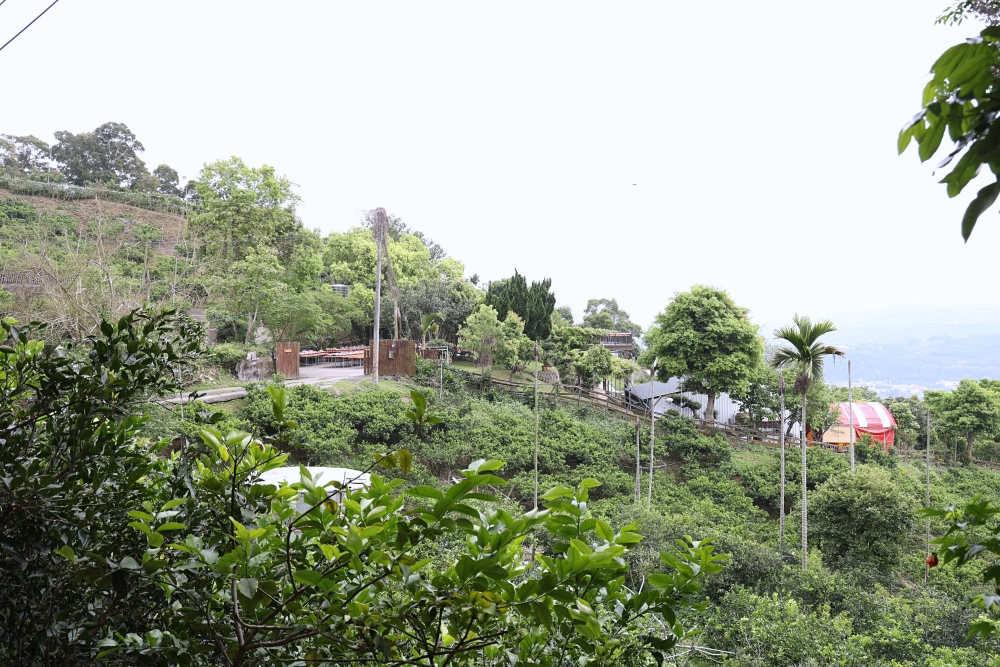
[(984, 199)]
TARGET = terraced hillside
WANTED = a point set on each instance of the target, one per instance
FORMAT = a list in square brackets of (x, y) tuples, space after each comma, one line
[(72, 262)]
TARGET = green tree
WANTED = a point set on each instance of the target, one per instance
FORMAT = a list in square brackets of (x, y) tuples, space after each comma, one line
[(305, 316), (24, 156), (759, 399), (241, 208), (972, 409), (480, 334), (566, 344), (861, 520), (594, 365), (304, 261), (513, 348), (605, 314), (806, 353), (430, 324), (600, 320), (907, 423), (109, 155), (565, 313), (452, 299), (248, 288), (533, 303), (168, 178), (706, 339)]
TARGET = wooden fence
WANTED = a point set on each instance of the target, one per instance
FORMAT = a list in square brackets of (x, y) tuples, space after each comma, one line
[(395, 357), (286, 356), (576, 396)]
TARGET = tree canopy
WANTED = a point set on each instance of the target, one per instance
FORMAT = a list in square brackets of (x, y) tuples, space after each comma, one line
[(241, 207), (24, 156), (109, 154), (706, 339), (606, 314), (972, 409), (534, 304)]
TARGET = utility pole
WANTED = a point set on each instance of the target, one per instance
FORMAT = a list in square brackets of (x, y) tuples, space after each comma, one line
[(781, 506), (377, 228), (850, 408), (652, 429), (927, 458), (638, 465)]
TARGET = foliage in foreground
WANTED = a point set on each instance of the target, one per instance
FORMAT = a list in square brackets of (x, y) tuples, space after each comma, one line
[(220, 569), (70, 460), (962, 98), (257, 579)]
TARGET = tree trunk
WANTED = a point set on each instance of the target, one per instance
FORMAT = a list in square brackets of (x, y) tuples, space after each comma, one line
[(710, 407), (968, 452), (805, 516), (251, 336)]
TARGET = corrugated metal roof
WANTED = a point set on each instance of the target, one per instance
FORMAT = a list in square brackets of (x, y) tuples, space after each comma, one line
[(643, 391)]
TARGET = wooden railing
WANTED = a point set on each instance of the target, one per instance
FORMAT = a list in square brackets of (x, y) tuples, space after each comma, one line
[(577, 396)]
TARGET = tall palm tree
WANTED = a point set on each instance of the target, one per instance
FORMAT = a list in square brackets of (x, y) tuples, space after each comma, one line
[(806, 353)]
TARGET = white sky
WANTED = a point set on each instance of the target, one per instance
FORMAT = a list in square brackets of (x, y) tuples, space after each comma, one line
[(761, 137)]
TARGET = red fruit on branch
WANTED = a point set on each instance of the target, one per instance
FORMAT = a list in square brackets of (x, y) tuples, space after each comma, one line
[(932, 560)]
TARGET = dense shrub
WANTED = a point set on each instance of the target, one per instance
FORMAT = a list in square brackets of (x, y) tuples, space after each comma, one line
[(867, 450), (682, 441), (860, 519), (228, 355)]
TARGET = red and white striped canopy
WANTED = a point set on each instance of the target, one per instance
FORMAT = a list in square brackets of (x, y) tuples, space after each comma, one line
[(871, 418)]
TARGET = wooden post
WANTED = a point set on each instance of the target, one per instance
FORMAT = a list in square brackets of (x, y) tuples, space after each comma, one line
[(378, 293)]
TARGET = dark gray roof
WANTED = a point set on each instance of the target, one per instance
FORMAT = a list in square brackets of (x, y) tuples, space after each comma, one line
[(642, 391)]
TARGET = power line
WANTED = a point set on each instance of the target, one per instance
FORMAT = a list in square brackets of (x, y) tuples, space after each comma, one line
[(27, 26)]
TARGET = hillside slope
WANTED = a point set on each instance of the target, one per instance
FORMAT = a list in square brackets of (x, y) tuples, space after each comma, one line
[(85, 211), (70, 263)]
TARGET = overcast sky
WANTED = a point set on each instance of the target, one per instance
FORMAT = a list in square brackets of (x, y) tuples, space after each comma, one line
[(624, 149)]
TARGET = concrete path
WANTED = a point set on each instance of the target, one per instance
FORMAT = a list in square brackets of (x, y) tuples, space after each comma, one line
[(315, 375)]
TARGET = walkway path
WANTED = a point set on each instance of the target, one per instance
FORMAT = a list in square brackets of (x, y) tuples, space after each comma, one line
[(314, 375)]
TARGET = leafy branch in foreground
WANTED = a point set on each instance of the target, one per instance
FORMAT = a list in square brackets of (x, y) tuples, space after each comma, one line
[(973, 532), (962, 97), (260, 574), (70, 460)]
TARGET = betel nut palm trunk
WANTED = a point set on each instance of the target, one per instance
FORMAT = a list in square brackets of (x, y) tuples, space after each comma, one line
[(805, 517)]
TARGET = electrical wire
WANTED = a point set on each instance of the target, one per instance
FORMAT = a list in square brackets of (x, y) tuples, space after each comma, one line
[(27, 26)]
